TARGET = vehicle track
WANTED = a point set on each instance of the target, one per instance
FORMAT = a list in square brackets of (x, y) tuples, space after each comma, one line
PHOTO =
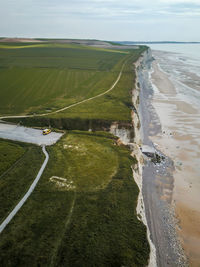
[(59, 243)]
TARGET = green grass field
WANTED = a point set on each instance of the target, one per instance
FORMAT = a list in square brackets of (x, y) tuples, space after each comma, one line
[(115, 105), (40, 77), (82, 213), (19, 165)]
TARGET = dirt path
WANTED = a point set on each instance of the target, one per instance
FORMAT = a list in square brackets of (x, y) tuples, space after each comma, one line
[(72, 105), (26, 196)]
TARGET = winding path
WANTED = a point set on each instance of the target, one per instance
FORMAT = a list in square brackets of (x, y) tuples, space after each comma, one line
[(72, 105), (26, 196)]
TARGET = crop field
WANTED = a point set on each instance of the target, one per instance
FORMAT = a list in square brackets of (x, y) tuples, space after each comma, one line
[(19, 165), (115, 105), (82, 213), (37, 78)]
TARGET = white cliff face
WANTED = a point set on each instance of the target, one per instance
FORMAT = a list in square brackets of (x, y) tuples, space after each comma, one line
[(143, 62), (123, 133), (146, 60), (134, 113)]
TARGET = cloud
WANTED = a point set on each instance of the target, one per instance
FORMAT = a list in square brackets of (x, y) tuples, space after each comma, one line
[(116, 9), (180, 1), (100, 9), (99, 18)]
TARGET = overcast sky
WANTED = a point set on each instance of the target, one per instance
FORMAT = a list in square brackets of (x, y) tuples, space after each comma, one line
[(132, 20)]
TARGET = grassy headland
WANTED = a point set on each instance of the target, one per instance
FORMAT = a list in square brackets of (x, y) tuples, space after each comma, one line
[(82, 213), (83, 210)]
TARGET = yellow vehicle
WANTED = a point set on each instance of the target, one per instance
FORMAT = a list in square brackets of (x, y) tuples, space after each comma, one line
[(46, 131)]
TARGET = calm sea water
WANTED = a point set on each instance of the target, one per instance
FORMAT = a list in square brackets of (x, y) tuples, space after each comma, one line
[(181, 62), (190, 50)]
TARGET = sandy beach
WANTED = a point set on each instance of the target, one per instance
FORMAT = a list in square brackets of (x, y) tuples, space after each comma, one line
[(179, 139), (157, 178)]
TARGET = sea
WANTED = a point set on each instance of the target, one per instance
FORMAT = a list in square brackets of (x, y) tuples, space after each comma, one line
[(182, 63), (179, 115)]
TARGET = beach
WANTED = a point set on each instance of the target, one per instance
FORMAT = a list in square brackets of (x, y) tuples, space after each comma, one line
[(157, 178), (175, 100)]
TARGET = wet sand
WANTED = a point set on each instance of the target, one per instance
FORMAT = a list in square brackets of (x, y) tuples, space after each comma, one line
[(160, 78), (179, 139)]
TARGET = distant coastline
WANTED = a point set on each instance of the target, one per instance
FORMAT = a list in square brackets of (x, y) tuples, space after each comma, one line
[(90, 41), (154, 42)]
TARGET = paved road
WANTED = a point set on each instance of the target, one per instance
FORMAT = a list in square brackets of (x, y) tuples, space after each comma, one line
[(27, 135), (26, 196), (70, 106)]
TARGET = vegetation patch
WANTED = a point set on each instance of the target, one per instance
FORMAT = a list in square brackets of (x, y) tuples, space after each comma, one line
[(84, 155), (94, 224)]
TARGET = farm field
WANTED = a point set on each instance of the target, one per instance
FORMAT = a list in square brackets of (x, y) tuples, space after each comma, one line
[(39, 78), (115, 105), (82, 211), (42, 78), (18, 167)]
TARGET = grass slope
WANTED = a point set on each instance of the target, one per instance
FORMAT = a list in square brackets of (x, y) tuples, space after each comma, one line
[(86, 220)]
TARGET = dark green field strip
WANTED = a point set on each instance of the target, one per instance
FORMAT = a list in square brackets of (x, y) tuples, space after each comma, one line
[(15, 182), (9, 152), (57, 57), (90, 223)]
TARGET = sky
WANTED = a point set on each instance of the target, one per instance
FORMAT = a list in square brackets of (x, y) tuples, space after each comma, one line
[(114, 20)]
